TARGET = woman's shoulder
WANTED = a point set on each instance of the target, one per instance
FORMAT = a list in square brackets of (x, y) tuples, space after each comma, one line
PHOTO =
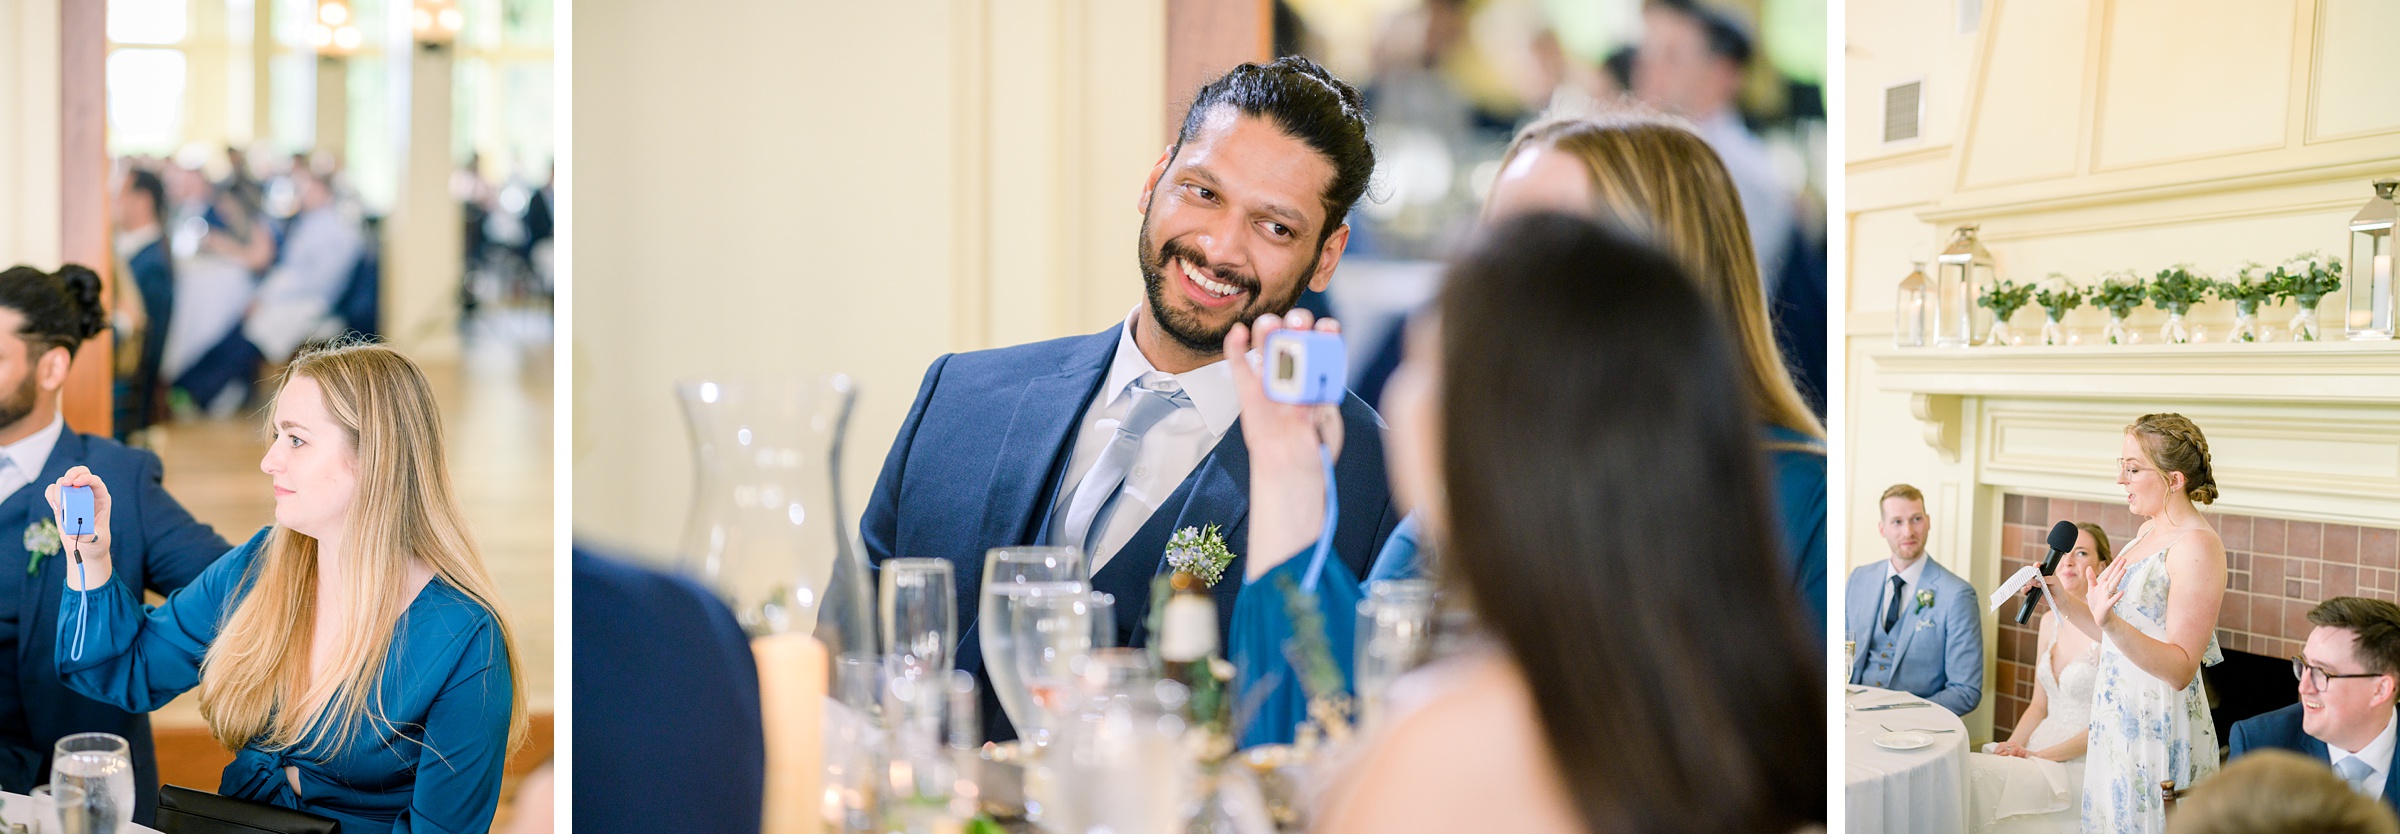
[(1473, 731)]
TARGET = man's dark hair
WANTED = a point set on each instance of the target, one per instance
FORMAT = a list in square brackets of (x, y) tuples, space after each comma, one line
[(1307, 103), (2375, 622), (147, 183), (1728, 38), (61, 309)]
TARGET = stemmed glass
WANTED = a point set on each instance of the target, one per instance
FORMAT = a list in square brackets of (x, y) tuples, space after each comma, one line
[(920, 616), (101, 765), (1053, 637), (1010, 575)]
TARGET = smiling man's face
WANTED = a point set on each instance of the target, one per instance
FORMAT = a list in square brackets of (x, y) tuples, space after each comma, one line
[(1231, 228)]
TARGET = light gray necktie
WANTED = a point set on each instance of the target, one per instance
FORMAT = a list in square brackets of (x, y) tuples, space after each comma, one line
[(1095, 497), (2354, 772)]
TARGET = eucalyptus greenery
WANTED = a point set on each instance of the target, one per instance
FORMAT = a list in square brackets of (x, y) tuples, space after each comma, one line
[(2059, 295), (2179, 287), (2119, 293), (2307, 277), (2004, 297), (2250, 284)]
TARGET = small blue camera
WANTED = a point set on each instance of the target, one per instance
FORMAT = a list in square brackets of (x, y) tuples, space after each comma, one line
[(75, 503), (1306, 367)]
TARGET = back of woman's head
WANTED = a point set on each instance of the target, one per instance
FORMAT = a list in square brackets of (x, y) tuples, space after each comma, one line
[(1660, 180), (1608, 516), (2279, 792), (61, 309)]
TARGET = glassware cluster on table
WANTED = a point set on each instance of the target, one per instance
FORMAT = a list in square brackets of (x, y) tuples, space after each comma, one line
[(1106, 742)]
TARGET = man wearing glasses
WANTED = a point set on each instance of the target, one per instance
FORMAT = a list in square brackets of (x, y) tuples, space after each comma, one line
[(2349, 675)]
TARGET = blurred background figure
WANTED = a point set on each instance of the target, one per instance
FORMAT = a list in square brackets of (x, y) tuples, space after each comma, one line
[(2278, 792), (281, 176)]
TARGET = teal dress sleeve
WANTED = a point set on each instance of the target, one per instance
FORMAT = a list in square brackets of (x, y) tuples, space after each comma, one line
[(457, 786), (115, 650), (1269, 700)]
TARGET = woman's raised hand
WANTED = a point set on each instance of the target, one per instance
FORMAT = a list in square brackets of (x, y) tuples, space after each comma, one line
[(1287, 479), (93, 549)]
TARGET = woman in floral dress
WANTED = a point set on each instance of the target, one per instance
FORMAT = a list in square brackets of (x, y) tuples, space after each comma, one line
[(2154, 612)]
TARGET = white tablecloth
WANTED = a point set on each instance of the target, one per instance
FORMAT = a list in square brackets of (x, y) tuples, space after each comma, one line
[(18, 808), (1921, 791)]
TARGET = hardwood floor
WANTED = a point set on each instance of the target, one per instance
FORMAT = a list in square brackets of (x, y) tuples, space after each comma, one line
[(496, 401)]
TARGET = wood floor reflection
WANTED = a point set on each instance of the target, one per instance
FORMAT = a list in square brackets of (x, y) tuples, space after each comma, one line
[(496, 404)]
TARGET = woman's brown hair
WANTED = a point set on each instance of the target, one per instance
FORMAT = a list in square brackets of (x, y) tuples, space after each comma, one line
[(2175, 444), (1654, 175), (1608, 519)]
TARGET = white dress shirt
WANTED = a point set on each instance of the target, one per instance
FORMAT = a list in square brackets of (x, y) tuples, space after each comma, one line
[(1169, 450), (2377, 755), (22, 461)]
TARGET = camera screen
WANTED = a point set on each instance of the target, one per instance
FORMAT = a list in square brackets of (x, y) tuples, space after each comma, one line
[(1284, 365)]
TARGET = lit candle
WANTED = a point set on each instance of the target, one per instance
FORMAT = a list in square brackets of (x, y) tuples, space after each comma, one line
[(791, 696), (2381, 295)]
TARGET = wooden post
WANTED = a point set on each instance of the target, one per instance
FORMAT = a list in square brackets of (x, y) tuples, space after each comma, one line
[(83, 171), (1207, 37)]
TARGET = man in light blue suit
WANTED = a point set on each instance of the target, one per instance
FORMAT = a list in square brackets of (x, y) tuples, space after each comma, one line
[(1916, 624), (1112, 442)]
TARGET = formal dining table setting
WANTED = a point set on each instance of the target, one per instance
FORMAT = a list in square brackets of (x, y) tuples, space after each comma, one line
[(1906, 763)]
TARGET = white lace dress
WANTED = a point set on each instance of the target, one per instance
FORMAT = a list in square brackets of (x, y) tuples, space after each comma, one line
[(2010, 795), (2144, 730)]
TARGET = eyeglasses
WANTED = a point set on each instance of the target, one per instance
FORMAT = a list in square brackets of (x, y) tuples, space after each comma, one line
[(2317, 677)]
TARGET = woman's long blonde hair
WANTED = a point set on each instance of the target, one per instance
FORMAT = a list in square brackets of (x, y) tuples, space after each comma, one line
[(1653, 175), (255, 684)]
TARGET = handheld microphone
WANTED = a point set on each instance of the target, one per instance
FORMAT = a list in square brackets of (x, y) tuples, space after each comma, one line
[(2062, 539)]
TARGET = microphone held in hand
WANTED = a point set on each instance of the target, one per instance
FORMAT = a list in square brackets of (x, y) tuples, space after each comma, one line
[(2062, 539)]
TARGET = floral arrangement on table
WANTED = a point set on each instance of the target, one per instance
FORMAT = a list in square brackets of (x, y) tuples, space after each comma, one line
[(2175, 290), (2305, 279), (2057, 296), (2004, 297), (2250, 284), (2119, 293)]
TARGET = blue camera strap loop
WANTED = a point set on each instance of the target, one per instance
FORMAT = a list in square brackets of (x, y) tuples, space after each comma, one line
[(1316, 563), (83, 605)]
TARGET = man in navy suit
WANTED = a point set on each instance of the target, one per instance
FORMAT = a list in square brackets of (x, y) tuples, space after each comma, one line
[(1916, 625), (159, 547), (2349, 673), (1112, 442)]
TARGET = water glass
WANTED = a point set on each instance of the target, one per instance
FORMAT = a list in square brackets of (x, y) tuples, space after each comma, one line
[(1395, 634), (1009, 575), (919, 602), (1053, 637), (1104, 619), (101, 765)]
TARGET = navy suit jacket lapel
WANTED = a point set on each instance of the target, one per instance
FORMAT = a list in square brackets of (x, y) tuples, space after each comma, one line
[(1040, 442), (1215, 493), (1908, 617)]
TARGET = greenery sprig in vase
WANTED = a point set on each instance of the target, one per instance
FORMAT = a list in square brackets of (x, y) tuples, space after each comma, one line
[(2004, 298), (2119, 293), (2305, 279), (2250, 284), (2175, 290), (2057, 296)]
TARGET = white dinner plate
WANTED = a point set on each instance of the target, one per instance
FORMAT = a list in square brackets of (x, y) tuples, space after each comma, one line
[(1902, 740)]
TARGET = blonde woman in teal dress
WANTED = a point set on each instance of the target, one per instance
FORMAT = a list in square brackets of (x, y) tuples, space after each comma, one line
[(2154, 612)]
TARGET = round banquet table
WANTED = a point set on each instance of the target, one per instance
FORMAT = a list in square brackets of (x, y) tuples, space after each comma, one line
[(1921, 791), (18, 808)]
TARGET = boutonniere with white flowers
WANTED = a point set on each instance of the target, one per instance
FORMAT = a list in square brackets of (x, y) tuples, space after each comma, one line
[(41, 539), (1201, 552), (1924, 601)]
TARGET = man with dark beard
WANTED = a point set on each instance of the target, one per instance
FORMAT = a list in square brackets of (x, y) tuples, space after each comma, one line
[(44, 317), (1113, 442)]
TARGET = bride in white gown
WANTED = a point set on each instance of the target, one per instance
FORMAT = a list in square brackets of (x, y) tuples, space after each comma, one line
[(2033, 782)]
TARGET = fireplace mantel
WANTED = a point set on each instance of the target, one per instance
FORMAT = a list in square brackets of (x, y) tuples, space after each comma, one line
[(2308, 432)]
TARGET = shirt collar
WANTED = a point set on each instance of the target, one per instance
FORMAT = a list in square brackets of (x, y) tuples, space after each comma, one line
[(32, 453), (2378, 753), (131, 243), (1209, 387), (1909, 576)]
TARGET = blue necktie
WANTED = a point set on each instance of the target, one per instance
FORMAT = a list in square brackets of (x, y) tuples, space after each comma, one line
[(1094, 498), (2354, 772)]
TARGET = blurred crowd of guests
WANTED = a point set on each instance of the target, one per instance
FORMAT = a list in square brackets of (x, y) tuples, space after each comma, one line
[(230, 266)]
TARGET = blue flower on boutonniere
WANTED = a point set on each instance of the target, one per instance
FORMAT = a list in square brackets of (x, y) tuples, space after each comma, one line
[(41, 539), (1924, 601)]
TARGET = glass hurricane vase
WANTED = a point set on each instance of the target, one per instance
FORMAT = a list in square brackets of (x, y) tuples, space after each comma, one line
[(2118, 333), (2304, 323), (2175, 332), (2245, 322)]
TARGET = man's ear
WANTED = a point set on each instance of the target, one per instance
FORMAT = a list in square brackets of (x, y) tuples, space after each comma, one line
[(51, 372), (1150, 183), (1328, 257)]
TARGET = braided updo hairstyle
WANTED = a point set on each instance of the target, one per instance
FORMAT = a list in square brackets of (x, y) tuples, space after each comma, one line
[(61, 309), (2176, 445)]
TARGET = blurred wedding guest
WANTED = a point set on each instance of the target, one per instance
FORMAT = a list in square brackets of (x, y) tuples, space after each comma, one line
[(2155, 613), (2349, 673), (142, 247), (293, 305), (2033, 781), (352, 654), (1918, 628), (1112, 441), (1691, 62), (44, 317), (636, 681), (1603, 516), (536, 809), (2276, 792), (215, 280), (1653, 175)]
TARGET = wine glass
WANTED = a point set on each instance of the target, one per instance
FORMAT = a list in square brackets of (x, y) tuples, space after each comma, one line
[(1053, 636), (1011, 574), (1395, 633), (920, 615), (101, 764)]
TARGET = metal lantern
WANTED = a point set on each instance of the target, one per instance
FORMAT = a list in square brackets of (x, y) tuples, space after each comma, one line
[(1912, 312), (2369, 313), (1961, 271)]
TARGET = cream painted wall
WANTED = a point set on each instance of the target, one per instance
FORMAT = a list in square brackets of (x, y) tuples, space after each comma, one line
[(773, 189), (29, 142), (2086, 136)]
